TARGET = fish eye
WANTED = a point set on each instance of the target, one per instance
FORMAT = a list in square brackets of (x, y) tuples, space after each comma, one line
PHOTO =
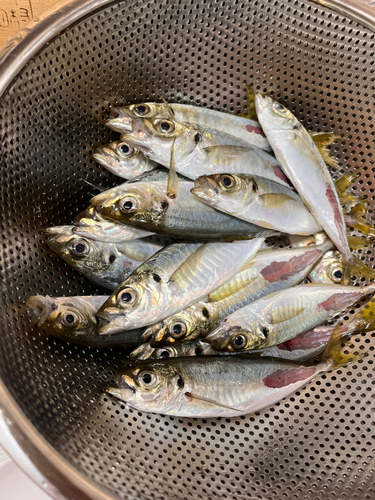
[(70, 319), (178, 329), (124, 149), (127, 297), (165, 353), (335, 273), (279, 107), (166, 127), (147, 379), (128, 204), (239, 341), (227, 181), (80, 248), (142, 109)]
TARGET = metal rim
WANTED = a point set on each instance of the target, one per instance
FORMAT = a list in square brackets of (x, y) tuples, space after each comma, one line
[(59, 478)]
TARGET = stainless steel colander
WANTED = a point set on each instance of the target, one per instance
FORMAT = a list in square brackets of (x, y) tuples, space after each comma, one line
[(58, 82)]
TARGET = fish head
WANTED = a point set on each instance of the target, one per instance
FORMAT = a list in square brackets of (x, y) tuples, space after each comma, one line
[(175, 329), (132, 305), (228, 192), (68, 318), (235, 338), (329, 269), (149, 386), (156, 137), (137, 203), (80, 252), (273, 114), (120, 158)]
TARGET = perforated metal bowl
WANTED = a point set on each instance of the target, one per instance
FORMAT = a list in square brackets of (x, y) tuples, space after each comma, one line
[(57, 84)]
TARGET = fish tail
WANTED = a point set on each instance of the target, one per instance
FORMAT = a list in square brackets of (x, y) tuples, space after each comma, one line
[(342, 184), (250, 98), (322, 140), (358, 269), (364, 320), (356, 242), (334, 354), (355, 218)]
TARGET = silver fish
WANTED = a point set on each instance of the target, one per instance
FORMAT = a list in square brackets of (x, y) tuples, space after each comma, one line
[(123, 160), (257, 200), (106, 264), (283, 315), (198, 150), (73, 319), (305, 167), (268, 272), (146, 205), (243, 128), (142, 300), (218, 386)]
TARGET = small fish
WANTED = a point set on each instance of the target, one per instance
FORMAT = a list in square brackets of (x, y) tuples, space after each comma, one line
[(73, 319), (268, 272), (244, 128), (219, 386), (147, 206), (106, 264), (198, 150), (283, 315), (305, 167), (257, 200), (123, 160), (143, 299)]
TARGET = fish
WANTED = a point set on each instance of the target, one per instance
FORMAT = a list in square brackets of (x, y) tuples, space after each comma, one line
[(283, 315), (106, 264), (73, 319), (147, 206), (268, 272), (306, 169), (123, 160), (257, 200), (246, 129), (142, 301), (198, 150), (219, 386)]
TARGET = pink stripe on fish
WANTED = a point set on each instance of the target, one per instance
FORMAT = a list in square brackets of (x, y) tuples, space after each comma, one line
[(256, 130), (336, 209), (282, 378), (339, 301), (280, 174), (281, 271)]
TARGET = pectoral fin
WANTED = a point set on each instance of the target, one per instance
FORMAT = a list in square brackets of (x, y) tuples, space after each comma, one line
[(321, 141), (282, 314), (275, 200), (229, 289), (217, 153), (210, 402)]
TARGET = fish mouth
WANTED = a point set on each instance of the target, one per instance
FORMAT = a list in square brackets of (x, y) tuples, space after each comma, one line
[(106, 157), (40, 308), (123, 394), (205, 188), (150, 330), (108, 212), (160, 338), (120, 120), (58, 231), (263, 101), (109, 322), (87, 215)]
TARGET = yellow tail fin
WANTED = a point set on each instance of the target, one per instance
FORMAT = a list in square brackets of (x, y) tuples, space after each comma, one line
[(334, 354), (364, 320), (355, 218), (357, 269), (356, 242), (342, 185), (321, 141), (250, 98)]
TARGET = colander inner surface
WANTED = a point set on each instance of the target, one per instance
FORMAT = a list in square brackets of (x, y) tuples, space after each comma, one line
[(318, 443)]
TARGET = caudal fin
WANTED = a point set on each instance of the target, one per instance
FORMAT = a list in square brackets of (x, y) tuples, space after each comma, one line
[(322, 140), (334, 354), (355, 218), (357, 269), (364, 320), (342, 184), (356, 242)]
